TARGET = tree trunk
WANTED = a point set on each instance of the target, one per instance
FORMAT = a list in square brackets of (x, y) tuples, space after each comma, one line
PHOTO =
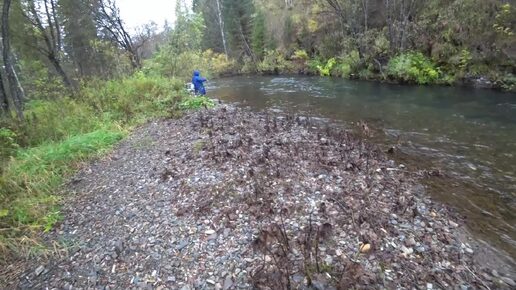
[(221, 24), (4, 103), (365, 7), (60, 71), (15, 88)]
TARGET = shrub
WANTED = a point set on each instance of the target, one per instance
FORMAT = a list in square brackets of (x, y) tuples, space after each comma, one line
[(248, 66), (413, 67), (325, 70), (508, 82), (274, 62), (300, 54), (313, 65), (348, 65)]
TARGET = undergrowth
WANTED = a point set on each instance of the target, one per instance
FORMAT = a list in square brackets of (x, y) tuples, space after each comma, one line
[(58, 135)]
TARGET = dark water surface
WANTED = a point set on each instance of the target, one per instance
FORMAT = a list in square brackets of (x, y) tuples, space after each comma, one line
[(467, 133)]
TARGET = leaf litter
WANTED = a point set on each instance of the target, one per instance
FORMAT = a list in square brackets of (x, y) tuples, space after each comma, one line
[(227, 198)]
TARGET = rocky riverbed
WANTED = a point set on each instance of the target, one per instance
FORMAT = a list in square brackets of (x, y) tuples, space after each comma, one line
[(231, 199)]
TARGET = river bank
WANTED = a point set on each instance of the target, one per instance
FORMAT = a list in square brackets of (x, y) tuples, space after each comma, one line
[(468, 135), (228, 198)]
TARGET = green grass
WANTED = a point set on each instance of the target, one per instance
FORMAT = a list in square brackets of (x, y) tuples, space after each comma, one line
[(31, 181), (58, 136)]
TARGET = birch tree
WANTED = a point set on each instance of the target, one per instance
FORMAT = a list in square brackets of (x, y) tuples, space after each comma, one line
[(15, 90)]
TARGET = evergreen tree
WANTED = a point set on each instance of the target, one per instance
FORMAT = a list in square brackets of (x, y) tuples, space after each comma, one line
[(80, 33), (259, 35), (238, 17)]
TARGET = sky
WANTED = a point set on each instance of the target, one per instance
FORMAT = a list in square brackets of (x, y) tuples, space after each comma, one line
[(138, 12)]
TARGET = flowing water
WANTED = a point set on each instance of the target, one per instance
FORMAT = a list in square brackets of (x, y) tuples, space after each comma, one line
[(468, 134)]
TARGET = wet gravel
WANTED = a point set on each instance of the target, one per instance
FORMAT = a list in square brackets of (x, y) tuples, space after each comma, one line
[(232, 199)]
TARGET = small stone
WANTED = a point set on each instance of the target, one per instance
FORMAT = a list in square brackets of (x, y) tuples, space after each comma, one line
[(171, 279), (119, 246), (328, 260), (469, 251), (495, 273), (212, 237), (364, 248), (410, 242), (298, 278), (209, 281), (453, 224), (420, 249), (227, 283), (209, 232), (338, 252), (39, 270), (429, 286), (186, 287), (464, 287), (182, 245), (508, 281), (406, 251)]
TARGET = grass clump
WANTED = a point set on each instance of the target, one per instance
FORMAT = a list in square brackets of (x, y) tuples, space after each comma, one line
[(30, 183), (194, 103)]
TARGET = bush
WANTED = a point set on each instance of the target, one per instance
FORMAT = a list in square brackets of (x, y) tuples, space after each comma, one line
[(300, 55), (348, 64), (413, 67), (274, 62), (508, 82), (325, 70)]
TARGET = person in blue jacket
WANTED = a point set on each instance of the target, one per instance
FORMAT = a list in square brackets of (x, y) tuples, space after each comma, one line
[(198, 83)]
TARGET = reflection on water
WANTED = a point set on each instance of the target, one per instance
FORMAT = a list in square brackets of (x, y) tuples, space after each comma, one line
[(470, 134)]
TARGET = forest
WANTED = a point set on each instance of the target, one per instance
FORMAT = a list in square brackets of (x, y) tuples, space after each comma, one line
[(75, 79)]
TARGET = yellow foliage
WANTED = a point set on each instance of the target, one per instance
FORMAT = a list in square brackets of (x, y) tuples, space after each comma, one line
[(312, 25)]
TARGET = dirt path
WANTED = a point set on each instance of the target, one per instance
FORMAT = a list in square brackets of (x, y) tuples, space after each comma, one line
[(229, 199)]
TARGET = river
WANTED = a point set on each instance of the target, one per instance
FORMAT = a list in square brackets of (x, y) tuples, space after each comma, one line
[(468, 134)]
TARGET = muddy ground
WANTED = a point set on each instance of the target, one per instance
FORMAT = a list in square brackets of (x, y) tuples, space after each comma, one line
[(230, 199)]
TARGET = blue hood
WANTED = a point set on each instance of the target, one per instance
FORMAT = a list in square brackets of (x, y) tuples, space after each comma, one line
[(196, 73)]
